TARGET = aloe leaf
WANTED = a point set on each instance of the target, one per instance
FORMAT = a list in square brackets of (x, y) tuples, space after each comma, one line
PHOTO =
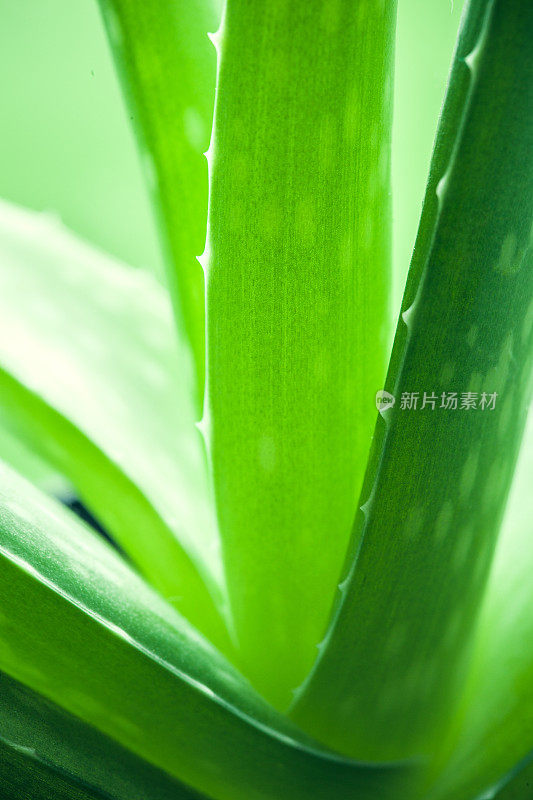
[(44, 750), (25, 776), (425, 40), (394, 656), (493, 727), (297, 269), (516, 786), (91, 377), (81, 628), (168, 66), (25, 461)]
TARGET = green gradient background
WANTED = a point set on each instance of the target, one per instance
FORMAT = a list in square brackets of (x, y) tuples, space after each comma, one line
[(68, 147)]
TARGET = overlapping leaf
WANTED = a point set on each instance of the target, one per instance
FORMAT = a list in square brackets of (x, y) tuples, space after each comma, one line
[(493, 728), (168, 66), (297, 270), (92, 376), (79, 627), (47, 753), (438, 478), (517, 786)]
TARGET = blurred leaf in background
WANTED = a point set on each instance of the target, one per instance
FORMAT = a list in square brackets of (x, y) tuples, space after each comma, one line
[(425, 40), (68, 145)]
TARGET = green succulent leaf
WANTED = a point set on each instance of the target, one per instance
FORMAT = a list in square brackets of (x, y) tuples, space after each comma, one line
[(168, 66), (47, 753), (25, 776), (81, 628), (493, 728), (518, 786), (26, 461), (92, 377), (297, 272), (119, 672), (397, 648)]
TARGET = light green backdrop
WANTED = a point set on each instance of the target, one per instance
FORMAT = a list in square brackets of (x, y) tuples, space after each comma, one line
[(66, 143)]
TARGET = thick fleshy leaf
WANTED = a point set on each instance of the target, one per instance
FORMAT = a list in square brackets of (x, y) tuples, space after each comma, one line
[(425, 40), (297, 268), (81, 628), (394, 658), (168, 66), (47, 754), (25, 461), (24, 776), (517, 786), (493, 729), (91, 375)]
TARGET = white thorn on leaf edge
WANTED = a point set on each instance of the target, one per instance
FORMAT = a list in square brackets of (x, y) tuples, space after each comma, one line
[(214, 38), (343, 585), (204, 259), (367, 505), (442, 185), (204, 428), (209, 153), (407, 315), (474, 56)]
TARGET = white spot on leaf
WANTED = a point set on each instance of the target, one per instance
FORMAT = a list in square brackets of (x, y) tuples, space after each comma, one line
[(194, 128), (267, 453)]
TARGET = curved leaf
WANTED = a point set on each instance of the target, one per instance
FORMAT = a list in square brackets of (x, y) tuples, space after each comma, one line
[(44, 750), (24, 460), (518, 786), (168, 66), (24, 776), (297, 267), (91, 376), (78, 626), (394, 657), (493, 728)]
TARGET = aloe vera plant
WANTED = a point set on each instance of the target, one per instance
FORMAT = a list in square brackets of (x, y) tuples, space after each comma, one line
[(302, 597)]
